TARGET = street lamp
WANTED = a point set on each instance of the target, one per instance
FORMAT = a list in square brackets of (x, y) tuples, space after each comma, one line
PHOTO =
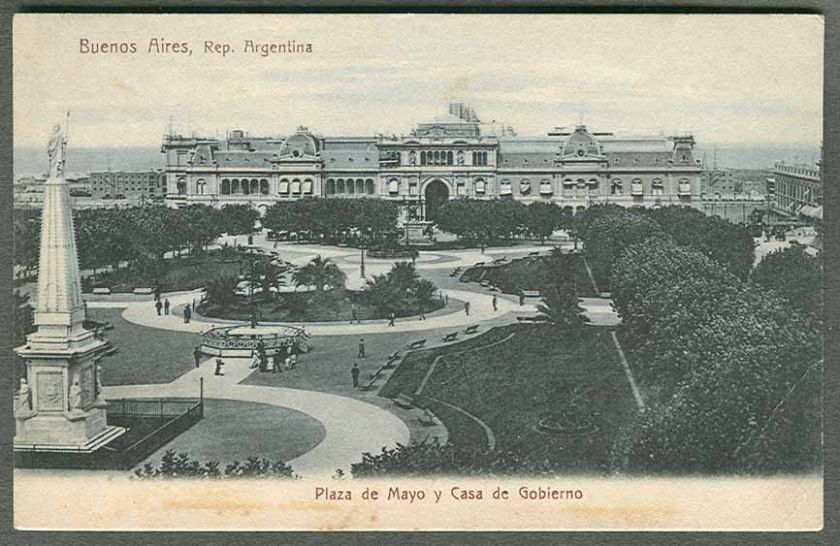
[(251, 289)]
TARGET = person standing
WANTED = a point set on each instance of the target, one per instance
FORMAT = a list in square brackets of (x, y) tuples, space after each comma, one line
[(354, 372), (277, 361), (293, 361), (197, 356), (220, 367), (495, 303), (361, 348), (187, 314), (354, 317), (166, 306), (467, 308), (521, 298), (391, 318), (158, 306)]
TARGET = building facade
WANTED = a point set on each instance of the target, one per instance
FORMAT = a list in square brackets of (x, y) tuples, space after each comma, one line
[(452, 157), (797, 191), (133, 185)]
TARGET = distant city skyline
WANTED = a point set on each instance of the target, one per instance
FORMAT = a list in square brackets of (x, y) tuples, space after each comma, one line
[(728, 79)]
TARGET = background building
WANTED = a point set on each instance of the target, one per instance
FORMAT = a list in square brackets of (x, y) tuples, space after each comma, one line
[(798, 191), (131, 185), (450, 157)]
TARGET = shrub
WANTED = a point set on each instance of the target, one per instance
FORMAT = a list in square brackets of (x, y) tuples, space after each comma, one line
[(181, 466)]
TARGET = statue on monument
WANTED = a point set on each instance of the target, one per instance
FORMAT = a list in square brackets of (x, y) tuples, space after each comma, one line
[(75, 396), (56, 150), (99, 402), (23, 405)]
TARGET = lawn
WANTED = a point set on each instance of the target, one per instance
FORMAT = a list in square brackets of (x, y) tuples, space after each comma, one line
[(183, 273), (147, 355), (530, 273), (513, 385), (233, 431)]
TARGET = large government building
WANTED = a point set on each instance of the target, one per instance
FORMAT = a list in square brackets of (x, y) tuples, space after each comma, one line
[(451, 157)]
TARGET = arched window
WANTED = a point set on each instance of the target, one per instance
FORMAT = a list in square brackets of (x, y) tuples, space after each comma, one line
[(284, 187), (235, 187), (245, 186), (360, 186), (369, 188), (255, 185), (330, 186), (295, 186), (475, 158), (449, 158), (307, 187), (545, 187), (524, 186), (504, 188), (422, 158), (480, 186), (657, 187), (341, 188), (182, 186), (616, 187), (264, 186), (636, 187), (351, 186), (393, 186), (225, 187)]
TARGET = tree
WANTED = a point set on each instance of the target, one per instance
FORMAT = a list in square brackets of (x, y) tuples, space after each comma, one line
[(281, 216), (237, 219), (220, 292), (542, 219), (319, 272), (794, 275), (559, 306), (403, 275), (424, 292), (382, 294)]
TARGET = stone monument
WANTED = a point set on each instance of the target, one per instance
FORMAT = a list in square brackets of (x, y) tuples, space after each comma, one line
[(58, 404)]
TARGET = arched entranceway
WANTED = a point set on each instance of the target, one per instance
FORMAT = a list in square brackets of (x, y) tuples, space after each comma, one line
[(436, 194)]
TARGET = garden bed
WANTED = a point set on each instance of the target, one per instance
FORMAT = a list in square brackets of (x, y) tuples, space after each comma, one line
[(327, 306), (529, 274)]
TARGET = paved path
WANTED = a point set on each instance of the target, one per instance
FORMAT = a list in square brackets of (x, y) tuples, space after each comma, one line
[(352, 427)]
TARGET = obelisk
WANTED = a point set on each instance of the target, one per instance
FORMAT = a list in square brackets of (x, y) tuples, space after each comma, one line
[(57, 405)]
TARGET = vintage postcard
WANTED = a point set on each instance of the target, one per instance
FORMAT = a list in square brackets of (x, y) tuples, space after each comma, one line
[(418, 272)]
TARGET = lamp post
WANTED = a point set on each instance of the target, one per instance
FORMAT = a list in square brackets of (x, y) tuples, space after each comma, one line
[(362, 250), (251, 289)]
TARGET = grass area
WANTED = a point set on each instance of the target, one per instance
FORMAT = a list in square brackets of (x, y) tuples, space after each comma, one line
[(513, 385), (233, 431), (147, 355), (182, 273), (531, 273), (327, 306)]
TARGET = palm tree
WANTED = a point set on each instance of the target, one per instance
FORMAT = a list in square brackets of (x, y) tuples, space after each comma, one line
[(319, 272), (560, 306), (424, 291), (384, 295), (403, 275)]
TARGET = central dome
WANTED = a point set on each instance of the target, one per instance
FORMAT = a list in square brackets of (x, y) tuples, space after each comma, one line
[(301, 144)]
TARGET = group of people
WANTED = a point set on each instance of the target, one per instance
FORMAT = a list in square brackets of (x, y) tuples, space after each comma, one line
[(285, 357), (164, 306)]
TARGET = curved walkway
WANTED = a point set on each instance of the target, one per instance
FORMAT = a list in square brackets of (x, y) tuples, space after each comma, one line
[(352, 427), (481, 309)]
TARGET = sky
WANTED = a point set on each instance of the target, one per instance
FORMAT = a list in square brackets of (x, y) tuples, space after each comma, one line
[(727, 79)]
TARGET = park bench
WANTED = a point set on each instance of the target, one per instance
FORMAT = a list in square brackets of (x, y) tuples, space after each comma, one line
[(530, 319), (102, 290), (404, 400), (471, 329), (143, 291), (392, 360), (535, 253), (416, 344), (370, 384), (531, 293), (450, 337)]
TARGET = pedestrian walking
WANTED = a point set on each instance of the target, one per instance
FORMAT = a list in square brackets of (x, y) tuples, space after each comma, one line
[(391, 318), (193, 305), (446, 299), (495, 303), (187, 314), (521, 298), (166, 306), (467, 308), (354, 372), (361, 348), (220, 367), (158, 306), (197, 356)]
